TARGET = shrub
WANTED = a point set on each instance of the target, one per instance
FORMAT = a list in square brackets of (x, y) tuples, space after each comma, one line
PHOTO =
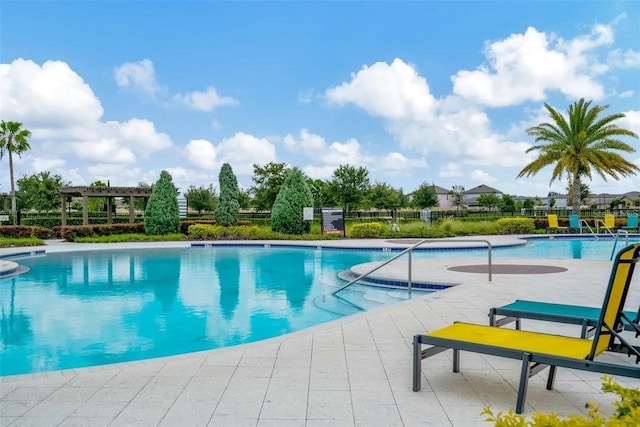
[(293, 197), (226, 212), (71, 232), (22, 231), (515, 226), (162, 215), (368, 229), (627, 412)]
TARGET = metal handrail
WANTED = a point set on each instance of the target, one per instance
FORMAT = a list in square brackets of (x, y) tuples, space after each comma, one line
[(586, 224), (598, 222), (408, 251), (615, 242)]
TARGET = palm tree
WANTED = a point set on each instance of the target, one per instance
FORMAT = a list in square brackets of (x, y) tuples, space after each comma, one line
[(13, 139), (580, 146)]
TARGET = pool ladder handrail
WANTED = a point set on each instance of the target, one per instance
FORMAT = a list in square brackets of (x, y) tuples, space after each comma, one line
[(615, 242), (586, 224), (597, 224), (408, 251)]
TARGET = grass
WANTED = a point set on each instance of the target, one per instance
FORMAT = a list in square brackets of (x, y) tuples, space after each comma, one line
[(9, 242)]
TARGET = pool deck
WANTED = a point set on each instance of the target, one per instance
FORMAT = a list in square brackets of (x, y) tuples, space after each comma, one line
[(355, 371)]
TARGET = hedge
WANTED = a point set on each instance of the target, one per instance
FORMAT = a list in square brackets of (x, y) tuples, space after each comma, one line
[(24, 231)]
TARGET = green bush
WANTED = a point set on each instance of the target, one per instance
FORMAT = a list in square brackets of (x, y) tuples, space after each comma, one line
[(366, 230), (133, 237), (627, 412), (22, 231), (226, 212), (162, 215), (515, 226), (294, 195)]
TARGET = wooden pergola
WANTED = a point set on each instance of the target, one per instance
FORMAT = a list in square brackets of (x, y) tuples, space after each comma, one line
[(108, 192)]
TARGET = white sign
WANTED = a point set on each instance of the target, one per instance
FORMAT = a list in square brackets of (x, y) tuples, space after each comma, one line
[(307, 214), (4, 217), (182, 207)]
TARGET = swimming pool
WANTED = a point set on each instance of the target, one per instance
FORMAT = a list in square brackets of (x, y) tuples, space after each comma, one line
[(98, 307), (92, 308)]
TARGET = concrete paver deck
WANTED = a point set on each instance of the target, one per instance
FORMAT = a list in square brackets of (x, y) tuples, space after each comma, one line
[(353, 371)]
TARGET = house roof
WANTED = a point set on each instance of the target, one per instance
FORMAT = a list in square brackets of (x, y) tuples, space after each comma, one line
[(440, 190), (483, 189)]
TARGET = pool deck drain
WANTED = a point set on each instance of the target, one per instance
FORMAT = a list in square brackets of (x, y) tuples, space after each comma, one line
[(353, 371)]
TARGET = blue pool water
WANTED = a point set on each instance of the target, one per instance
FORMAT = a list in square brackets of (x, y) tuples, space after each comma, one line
[(92, 308)]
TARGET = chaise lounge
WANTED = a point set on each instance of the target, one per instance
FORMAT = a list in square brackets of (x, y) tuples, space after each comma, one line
[(536, 350)]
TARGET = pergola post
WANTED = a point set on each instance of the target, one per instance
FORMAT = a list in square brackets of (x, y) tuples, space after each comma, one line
[(64, 209), (85, 209), (108, 209), (131, 210)]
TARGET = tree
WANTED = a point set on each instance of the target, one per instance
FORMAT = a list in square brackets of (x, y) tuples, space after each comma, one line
[(294, 195), (201, 198), (244, 199), (507, 203), (13, 139), (584, 193), (425, 196), (581, 145), (489, 201), (457, 194), (226, 212), (322, 194), (162, 215), (39, 192), (350, 184), (98, 204), (552, 202), (528, 204), (383, 196), (268, 179)]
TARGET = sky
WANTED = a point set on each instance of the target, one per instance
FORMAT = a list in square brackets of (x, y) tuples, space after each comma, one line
[(436, 92)]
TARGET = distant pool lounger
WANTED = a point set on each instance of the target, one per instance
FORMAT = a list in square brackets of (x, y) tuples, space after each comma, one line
[(560, 313)]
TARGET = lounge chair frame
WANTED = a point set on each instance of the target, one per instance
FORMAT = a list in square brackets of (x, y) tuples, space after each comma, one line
[(559, 351), (586, 317)]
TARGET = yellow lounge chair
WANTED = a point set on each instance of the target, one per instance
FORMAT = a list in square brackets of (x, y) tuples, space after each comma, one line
[(538, 350), (553, 224)]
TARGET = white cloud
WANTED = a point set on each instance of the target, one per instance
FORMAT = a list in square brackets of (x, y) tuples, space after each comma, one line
[(624, 59), (631, 121), (201, 153), (65, 115), (139, 76), (208, 100), (391, 91), (51, 95), (451, 170), (481, 176), (327, 157), (52, 164), (626, 94), (241, 151), (523, 67)]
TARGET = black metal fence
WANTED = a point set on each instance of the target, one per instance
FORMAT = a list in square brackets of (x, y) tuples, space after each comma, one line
[(52, 219)]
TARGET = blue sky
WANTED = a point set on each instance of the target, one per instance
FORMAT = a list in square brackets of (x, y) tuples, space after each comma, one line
[(435, 91)]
